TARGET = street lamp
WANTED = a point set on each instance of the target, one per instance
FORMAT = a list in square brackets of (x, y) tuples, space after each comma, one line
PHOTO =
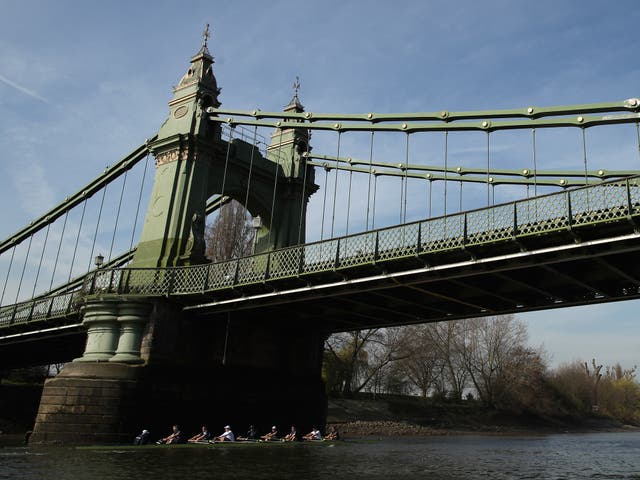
[(99, 260), (257, 223)]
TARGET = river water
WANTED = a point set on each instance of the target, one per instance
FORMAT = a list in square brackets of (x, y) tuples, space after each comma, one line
[(568, 456)]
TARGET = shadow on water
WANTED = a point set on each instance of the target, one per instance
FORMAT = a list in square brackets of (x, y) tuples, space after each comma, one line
[(585, 456)]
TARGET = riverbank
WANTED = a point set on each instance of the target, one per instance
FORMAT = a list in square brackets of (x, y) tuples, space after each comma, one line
[(368, 416), (411, 416)]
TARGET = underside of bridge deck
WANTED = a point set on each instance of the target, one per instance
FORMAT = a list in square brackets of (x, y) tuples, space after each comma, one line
[(462, 284)]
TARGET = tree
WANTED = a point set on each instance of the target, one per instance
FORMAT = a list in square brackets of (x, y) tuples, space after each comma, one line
[(354, 359), (231, 235), (573, 386), (493, 350), (594, 376), (446, 339), (423, 365)]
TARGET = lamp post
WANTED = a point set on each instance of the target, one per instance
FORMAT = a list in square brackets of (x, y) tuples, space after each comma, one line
[(257, 223), (99, 260)]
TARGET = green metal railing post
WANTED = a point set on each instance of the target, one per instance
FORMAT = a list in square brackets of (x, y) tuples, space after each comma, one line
[(464, 231), (268, 268), (630, 206), (570, 213), (376, 249), (50, 307)]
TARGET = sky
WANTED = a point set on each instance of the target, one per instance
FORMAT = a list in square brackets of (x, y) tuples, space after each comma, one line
[(84, 83)]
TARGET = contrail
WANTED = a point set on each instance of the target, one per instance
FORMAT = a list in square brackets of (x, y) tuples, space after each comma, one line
[(26, 91)]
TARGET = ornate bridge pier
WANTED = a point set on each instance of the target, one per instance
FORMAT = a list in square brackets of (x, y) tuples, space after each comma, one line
[(147, 364)]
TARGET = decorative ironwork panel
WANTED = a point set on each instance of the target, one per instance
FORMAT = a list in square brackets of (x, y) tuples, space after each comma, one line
[(357, 250), (147, 281), (490, 225), (634, 195), (190, 279), (444, 233), (320, 257), (285, 263), (543, 214), (252, 269), (222, 274), (398, 242), (599, 203), (62, 304), (41, 308), (106, 281), (6, 316)]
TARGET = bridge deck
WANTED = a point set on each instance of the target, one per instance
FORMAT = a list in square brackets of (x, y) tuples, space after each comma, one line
[(569, 248)]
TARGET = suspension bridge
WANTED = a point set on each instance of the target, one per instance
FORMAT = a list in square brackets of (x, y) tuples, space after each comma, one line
[(359, 221)]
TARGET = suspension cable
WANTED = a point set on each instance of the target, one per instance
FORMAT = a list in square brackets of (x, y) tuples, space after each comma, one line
[(24, 267), (303, 164), (324, 200), (488, 168), (246, 197), (44, 247), (369, 177), (375, 189), (584, 154), (95, 234), (75, 248), (135, 221), (275, 187), (535, 165), (55, 264), (405, 180), (253, 149), (6, 280), (349, 201), (430, 188), (446, 159), (335, 188), (224, 178), (115, 227), (226, 160)]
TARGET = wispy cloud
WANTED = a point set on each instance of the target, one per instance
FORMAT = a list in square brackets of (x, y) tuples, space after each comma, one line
[(20, 88)]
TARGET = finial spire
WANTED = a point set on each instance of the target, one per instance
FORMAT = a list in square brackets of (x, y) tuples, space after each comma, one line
[(205, 36), (296, 86), (295, 104)]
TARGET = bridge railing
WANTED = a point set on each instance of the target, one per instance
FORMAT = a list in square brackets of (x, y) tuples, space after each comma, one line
[(608, 202)]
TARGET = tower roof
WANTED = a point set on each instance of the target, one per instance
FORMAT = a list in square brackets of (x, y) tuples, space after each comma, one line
[(295, 104), (200, 71)]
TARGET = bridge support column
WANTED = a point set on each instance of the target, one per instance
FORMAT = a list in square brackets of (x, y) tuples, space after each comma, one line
[(132, 317), (101, 321)]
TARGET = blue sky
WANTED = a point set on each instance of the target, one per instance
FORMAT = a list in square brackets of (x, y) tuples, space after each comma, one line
[(83, 83)]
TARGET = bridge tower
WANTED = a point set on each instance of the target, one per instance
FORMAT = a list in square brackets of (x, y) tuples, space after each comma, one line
[(147, 363)]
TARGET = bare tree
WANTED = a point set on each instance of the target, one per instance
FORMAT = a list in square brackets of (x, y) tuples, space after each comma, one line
[(446, 339), (355, 359), (423, 365), (490, 348), (231, 235)]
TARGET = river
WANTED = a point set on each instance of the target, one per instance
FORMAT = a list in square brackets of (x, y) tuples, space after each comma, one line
[(563, 456)]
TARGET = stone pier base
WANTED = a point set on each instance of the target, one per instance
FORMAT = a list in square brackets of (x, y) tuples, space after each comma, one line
[(88, 403), (192, 372)]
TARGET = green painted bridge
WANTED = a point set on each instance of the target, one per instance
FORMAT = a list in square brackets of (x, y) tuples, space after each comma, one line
[(357, 231), (568, 248)]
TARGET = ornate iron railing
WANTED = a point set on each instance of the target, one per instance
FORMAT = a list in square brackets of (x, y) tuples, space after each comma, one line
[(608, 202)]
